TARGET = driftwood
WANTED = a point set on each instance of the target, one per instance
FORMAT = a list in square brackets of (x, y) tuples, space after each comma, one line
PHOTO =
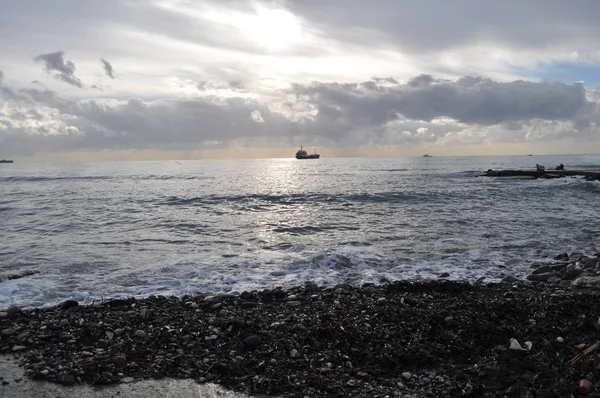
[(587, 351)]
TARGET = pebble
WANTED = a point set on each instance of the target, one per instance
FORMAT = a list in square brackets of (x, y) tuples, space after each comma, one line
[(8, 332), (145, 313), (252, 341), (3, 314), (63, 323), (18, 348), (140, 334), (560, 340), (406, 375), (294, 353), (119, 332), (109, 334)]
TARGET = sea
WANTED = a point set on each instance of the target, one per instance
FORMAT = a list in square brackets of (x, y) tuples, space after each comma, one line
[(94, 231)]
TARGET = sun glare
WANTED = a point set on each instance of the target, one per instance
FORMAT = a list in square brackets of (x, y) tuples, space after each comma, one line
[(275, 29)]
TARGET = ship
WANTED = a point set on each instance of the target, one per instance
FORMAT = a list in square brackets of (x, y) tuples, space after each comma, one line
[(6, 161), (302, 154)]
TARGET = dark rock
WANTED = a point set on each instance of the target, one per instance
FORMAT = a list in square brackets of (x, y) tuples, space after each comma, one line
[(562, 256), (543, 269), (65, 305), (572, 273), (252, 341), (540, 277)]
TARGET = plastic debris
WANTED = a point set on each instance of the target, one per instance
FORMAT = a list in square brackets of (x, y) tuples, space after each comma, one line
[(515, 345)]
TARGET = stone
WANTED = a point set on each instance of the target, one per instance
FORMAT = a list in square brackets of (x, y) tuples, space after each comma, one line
[(587, 281), (140, 334), (65, 305), (18, 348), (109, 334), (510, 279), (252, 341), (540, 277), (543, 269), (63, 323), (13, 309), (8, 332), (119, 332), (3, 314), (294, 353), (571, 274), (406, 375), (145, 313)]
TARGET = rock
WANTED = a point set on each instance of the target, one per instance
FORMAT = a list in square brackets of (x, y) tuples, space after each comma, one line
[(294, 353), (3, 314), (8, 332), (514, 261), (65, 305), (560, 340), (543, 269), (540, 277), (562, 256), (571, 274), (510, 279), (444, 275), (109, 334), (63, 323), (310, 286), (140, 334), (13, 309), (587, 281), (362, 375), (406, 376), (252, 341), (18, 348), (119, 332), (145, 313)]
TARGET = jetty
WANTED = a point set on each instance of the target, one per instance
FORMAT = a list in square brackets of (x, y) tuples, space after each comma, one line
[(534, 174)]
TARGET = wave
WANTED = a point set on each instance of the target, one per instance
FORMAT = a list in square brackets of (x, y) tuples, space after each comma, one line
[(46, 179), (293, 199)]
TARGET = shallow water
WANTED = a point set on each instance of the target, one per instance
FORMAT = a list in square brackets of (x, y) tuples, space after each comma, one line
[(139, 228)]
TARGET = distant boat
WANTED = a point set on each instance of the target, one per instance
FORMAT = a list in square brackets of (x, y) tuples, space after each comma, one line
[(6, 161), (302, 154), (530, 155), (427, 155)]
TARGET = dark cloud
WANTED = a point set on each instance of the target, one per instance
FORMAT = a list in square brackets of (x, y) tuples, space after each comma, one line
[(424, 110), (56, 65), (1, 77), (108, 69), (469, 100)]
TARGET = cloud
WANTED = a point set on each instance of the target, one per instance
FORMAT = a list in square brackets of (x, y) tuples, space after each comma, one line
[(424, 110), (469, 100), (108, 69), (64, 71), (1, 77)]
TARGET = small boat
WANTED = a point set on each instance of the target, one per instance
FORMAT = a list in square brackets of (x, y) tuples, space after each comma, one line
[(302, 154), (427, 155), (6, 161)]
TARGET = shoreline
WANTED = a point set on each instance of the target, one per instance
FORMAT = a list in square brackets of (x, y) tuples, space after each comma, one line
[(427, 338)]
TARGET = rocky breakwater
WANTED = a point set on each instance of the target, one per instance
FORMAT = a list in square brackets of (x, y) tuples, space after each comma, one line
[(574, 270), (588, 175), (408, 339)]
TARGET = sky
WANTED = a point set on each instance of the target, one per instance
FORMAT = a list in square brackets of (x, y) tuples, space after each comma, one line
[(186, 79)]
